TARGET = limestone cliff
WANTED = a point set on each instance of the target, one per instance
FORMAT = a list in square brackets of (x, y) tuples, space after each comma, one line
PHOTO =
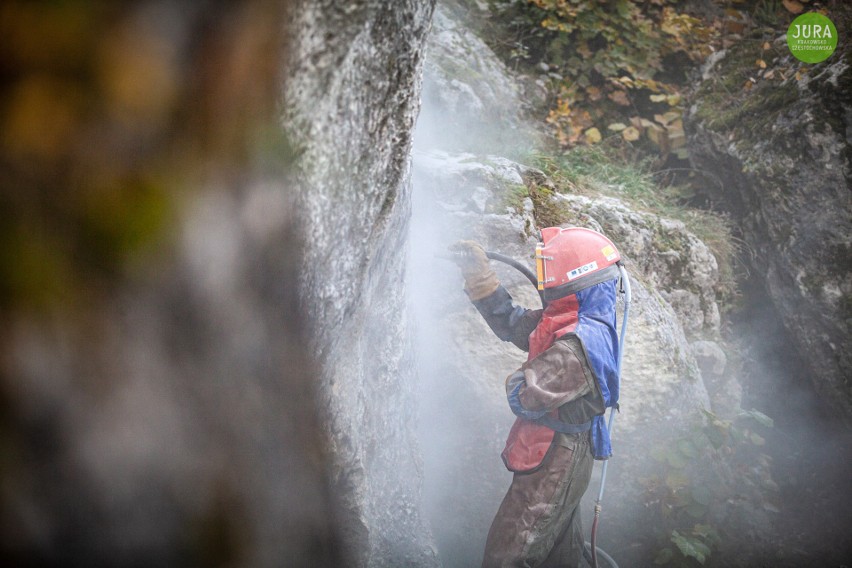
[(351, 99), (781, 156)]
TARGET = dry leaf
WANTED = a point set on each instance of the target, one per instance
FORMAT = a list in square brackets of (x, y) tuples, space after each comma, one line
[(657, 135), (761, 63), (619, 98), (657, 98), (766, 45), (735, 27), (793, 6), (677, 138), (630, 134), (616, 126), (594, 93), (593, 135), (667, 118)]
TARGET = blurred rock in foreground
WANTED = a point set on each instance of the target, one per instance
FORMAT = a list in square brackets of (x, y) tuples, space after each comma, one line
[(156, 389)]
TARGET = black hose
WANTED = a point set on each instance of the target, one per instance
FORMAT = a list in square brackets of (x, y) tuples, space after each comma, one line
[(506, 260), (520, 268)]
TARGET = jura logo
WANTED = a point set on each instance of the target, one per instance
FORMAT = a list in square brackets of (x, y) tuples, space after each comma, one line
[(812, 37), (809, 31)]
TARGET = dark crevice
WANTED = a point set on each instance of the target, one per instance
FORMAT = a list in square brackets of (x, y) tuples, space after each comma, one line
[(809, 447)]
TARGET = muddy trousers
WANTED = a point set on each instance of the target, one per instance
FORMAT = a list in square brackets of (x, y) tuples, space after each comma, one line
[(538, 523)]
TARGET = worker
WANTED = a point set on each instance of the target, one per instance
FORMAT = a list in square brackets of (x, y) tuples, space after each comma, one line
[(559, 395)]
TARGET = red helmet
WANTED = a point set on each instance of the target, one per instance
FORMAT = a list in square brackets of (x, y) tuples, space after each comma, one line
[(569, 260)]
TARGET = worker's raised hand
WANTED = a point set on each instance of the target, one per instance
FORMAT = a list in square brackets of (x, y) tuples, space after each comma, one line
[(480, 280), (469, 256)]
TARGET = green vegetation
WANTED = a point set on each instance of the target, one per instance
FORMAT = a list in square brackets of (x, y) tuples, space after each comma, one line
[(616, 73), (682, 495), (622, 66), (748, 91), (615, 66)]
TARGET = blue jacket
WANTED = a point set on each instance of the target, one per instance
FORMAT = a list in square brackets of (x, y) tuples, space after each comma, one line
[(593, 322)]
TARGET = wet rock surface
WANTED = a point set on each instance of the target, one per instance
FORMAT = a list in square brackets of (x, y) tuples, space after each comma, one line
[(471, 100), (351, 100), (781, 156)]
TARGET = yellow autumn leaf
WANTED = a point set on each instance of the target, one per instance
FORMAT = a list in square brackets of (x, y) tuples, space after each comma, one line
[(616, 126), (657, 134), (675, 127), (673, 100), (630, 134), (593, 93), (657, 98), (793, 6), (677, 137), (619, 98), (667, 118), (593, 135)]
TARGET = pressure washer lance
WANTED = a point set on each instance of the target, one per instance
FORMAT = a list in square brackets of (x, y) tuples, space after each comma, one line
[(531, 276), (624, 289)]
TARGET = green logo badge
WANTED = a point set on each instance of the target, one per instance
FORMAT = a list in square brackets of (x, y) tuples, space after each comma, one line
[(812, 37)]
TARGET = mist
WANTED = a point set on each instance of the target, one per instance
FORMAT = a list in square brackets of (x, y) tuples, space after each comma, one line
[(462, 414)]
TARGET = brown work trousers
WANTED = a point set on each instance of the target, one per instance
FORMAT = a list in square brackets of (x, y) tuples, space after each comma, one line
[(538, 523)]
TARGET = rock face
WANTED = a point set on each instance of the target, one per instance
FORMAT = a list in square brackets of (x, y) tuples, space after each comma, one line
[(151, 430), (161, 412), (781, 155), (470, 100), (351, 100)]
